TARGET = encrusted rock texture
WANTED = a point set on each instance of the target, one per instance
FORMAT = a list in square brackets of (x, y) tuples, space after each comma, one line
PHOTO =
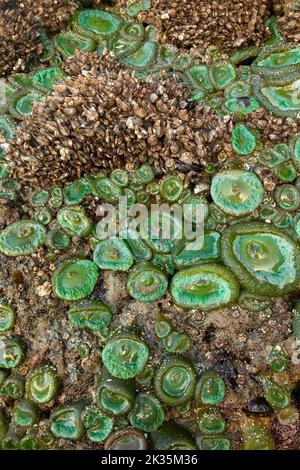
[(21, 23), (197, 24), (124, 121), (289, 18), (19, 38)]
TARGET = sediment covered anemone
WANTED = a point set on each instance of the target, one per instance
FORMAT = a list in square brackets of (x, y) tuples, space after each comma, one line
[(289, 19), (198, 23), (123, 121), (19, 38)]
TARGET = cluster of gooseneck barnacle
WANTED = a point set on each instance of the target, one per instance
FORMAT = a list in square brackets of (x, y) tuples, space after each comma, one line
[(132, 117)]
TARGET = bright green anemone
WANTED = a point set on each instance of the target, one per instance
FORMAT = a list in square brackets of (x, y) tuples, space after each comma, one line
[(264, 259), (143, 58), (171, 188), (126, 439), (7, 127), (97, 424), (215, 443), (176, 342), (45, 79), (125, 356), (12, 386), (175, 380), (75, 193), (128, 41), (74, 221), (281, 100), (276, 395), (115, 397), (222, 74), (186, 253), (66, 421), (91, 314), (12, 352), (146, 282), (120, 178), (42, 384), (22, 238), (68, 43), (96, 24), (137, 6), (270, 157), (106, 189), (22, 106), (204, 287), (113, 254), (57, 239), (277, 63), (210, 421), (7, 317), (237, 192), (171, 436), (25, 413), (161, 229), (295, 144), (287, 197), (75, 279), (210, 389), (138, 248), (286, 172), (243, 139), (39, 198), (147, 414)]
